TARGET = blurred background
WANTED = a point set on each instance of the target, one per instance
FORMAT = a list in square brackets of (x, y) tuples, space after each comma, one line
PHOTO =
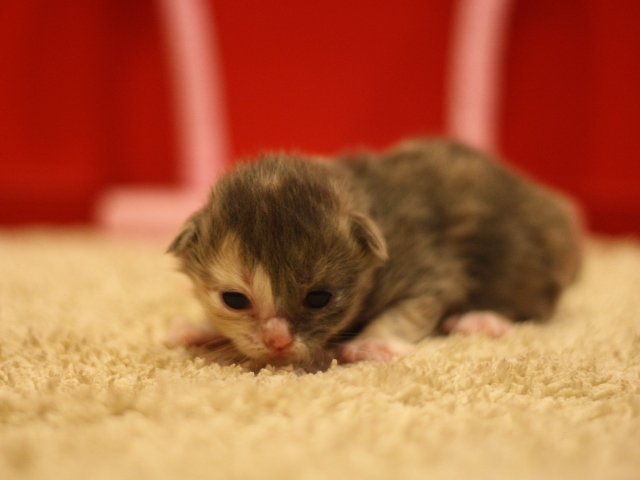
[(88, 93)]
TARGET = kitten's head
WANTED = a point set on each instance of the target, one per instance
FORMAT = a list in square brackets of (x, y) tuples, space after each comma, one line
[(280, 259)]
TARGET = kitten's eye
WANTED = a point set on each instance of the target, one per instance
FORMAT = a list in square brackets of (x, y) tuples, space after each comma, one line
[(236, 300), (317, 299)]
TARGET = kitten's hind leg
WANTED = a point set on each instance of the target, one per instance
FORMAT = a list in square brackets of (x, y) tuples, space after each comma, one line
[(490, 323), (394, 332)]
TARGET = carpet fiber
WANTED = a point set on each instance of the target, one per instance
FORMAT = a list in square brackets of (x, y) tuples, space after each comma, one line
[(89, 390)]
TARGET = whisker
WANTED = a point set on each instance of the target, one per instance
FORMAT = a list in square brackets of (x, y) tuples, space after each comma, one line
[(346, 335), (216, 343)]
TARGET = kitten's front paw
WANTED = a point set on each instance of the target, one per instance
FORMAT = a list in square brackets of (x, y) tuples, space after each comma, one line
[(489, 323), (183, 333), (374, 349)]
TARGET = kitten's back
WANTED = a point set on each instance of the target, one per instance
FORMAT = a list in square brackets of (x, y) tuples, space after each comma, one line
[(462, 226)]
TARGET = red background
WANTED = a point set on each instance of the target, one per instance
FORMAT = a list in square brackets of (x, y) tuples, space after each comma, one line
[(85, 93)]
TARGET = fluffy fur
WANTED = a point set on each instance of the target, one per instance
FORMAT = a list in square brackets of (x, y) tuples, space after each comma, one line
[(426, 233)]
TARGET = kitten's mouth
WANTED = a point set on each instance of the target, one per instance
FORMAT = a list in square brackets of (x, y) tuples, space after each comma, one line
[(291, 355), (282, 358), (267, 356)]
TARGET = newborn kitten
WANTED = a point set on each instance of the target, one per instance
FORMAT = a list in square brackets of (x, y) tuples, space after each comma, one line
[(297, 259)]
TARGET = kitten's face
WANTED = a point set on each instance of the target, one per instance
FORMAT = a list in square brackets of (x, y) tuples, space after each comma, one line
[(279, 261)]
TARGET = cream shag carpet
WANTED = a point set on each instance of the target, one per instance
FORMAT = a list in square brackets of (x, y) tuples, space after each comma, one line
[(88, 389)]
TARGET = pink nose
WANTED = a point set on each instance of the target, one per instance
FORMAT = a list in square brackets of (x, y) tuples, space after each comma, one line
[(276, 335), (279, 344)]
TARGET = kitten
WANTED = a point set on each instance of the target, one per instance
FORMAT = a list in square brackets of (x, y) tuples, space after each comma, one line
[(298, 259)]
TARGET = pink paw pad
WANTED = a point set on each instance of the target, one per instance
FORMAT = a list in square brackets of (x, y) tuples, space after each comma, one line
[(374, 349), (489, 323)]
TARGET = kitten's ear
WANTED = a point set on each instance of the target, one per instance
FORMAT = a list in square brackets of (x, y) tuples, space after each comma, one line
[(367, 233), (187, 237)]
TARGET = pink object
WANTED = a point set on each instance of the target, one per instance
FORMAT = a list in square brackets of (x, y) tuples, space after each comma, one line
[(375, 349), (184, 333), (478, 44), (489, 323), (276, 335)]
